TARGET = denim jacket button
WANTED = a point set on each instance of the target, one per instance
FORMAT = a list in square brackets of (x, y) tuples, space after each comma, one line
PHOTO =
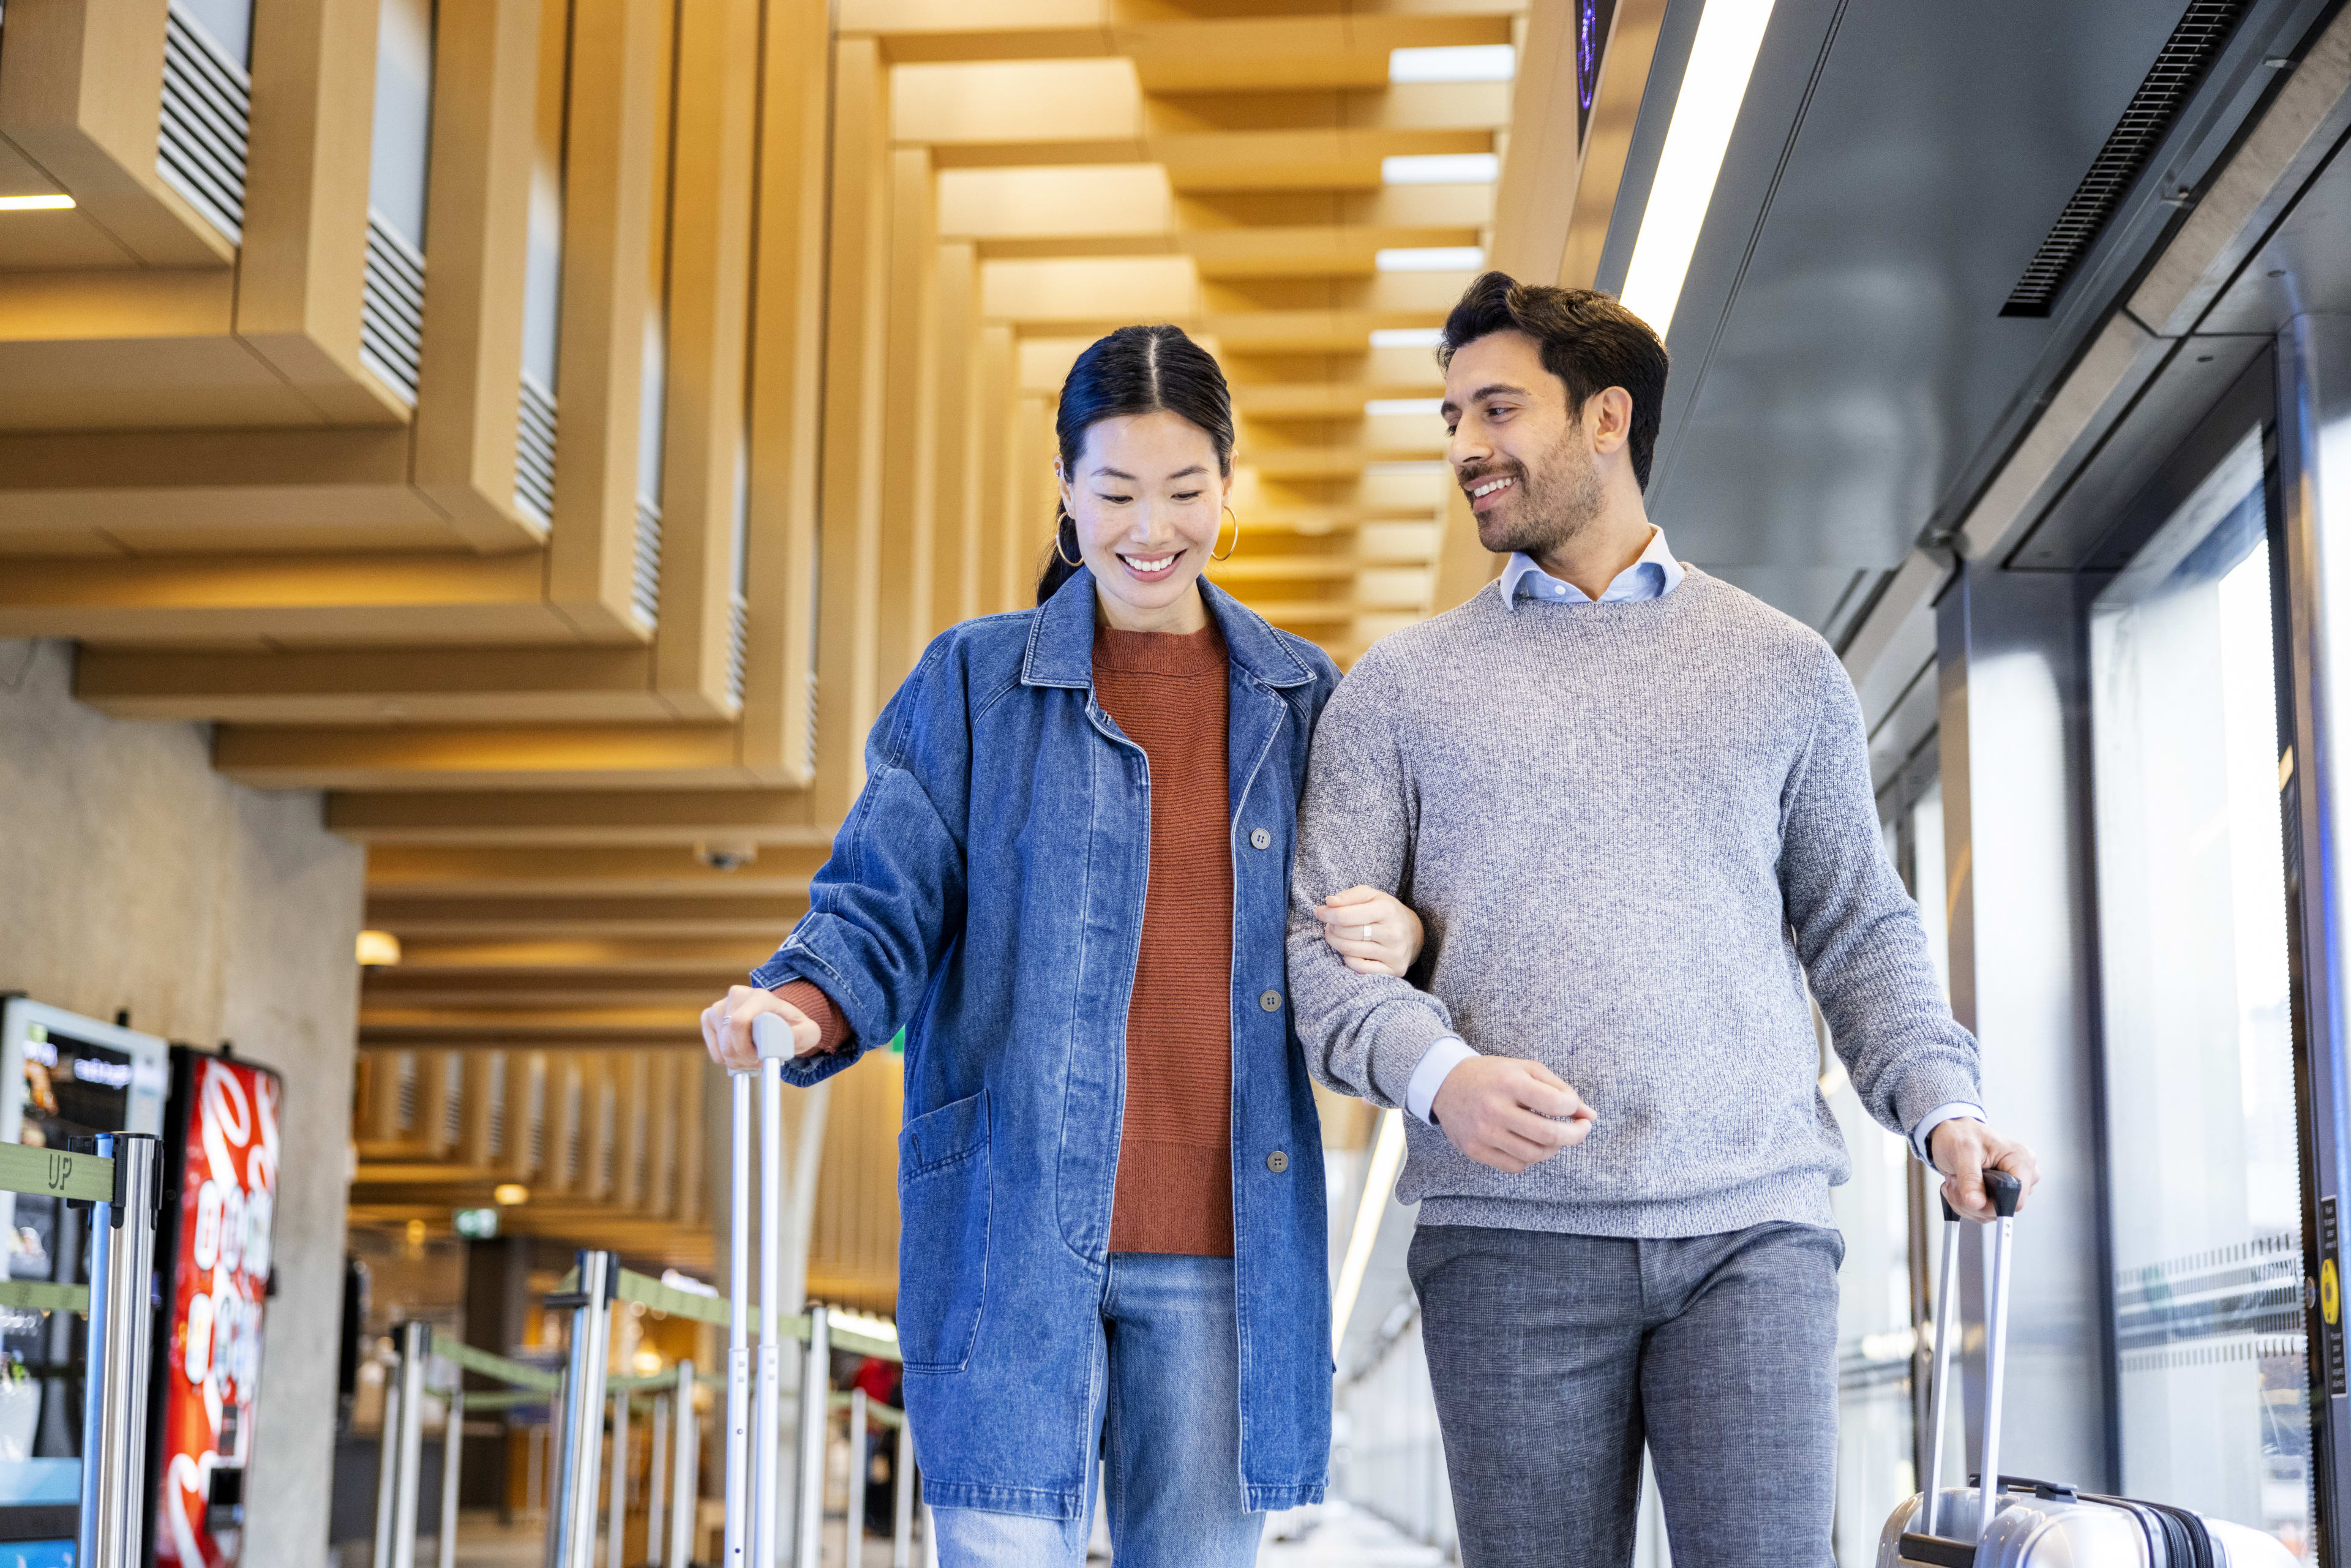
[(1270, 1001), (1261, 839), (1276, 1162)]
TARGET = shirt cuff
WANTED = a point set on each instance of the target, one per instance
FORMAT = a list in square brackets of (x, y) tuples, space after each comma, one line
[(832, 1032), (1444, 1054), (1953, 1110)]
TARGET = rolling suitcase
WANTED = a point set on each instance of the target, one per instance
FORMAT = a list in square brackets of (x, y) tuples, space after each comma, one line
[(2034, 1523), (753, 1376)]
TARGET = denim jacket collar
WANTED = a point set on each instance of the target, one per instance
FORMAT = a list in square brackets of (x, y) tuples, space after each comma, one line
[(1061, 638)]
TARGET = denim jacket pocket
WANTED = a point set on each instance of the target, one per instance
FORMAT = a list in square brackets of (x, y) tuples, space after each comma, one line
[(943, 1209)]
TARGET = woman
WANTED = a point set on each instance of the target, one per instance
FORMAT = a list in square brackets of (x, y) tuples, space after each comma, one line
[(1067, 877)]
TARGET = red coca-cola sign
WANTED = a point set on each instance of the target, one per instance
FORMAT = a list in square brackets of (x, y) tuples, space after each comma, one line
[(220, 1281)]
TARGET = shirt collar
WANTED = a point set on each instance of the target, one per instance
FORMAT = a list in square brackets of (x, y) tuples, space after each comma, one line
[(1653, 575)]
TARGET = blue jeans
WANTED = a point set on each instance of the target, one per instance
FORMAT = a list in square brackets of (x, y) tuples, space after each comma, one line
[(1166, 1418)]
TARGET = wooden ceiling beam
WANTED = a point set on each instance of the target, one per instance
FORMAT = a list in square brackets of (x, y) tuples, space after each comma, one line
[(760, 916), (653, 960), (577, 816), (478, 872), (243, 601), (1343, 47), (349, 686), (448, 756), (571, 988), (536, 1029)]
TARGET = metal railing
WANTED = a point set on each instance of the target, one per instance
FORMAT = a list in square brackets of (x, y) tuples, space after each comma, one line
[(586, 1485), (121, 1184)]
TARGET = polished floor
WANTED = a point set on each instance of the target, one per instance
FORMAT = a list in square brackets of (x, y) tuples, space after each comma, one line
[(1332, 1537)]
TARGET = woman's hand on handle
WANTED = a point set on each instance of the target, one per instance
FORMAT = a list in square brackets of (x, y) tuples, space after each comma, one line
[(727, 1026), (1374, 931)]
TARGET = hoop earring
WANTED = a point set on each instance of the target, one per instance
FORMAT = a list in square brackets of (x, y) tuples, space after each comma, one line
[(1236, 537), (1058, 551)]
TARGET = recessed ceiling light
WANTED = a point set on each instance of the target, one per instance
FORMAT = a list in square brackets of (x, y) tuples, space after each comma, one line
[(1441, 169), (1407, 337), (1430, 259), (48, 203), (1405, 405), (1458, 62), (1721, 58)]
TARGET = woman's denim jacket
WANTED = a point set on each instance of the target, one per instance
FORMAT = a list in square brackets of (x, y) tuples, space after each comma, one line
[(987, 894)]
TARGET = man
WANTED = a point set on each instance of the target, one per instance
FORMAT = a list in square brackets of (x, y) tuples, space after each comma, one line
[(1633, 807)]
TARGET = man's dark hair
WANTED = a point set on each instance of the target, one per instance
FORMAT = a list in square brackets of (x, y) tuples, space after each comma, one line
[(1588, 340)]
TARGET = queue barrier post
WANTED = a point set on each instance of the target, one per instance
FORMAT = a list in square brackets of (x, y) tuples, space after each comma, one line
[(859, 1465), (685, 1464), (616, 1522), (403, 1443), (816, 1411), (114, 1418), (453, 1438), (387, 1468), (572, 1534), (902, 1482), (656, 1478)]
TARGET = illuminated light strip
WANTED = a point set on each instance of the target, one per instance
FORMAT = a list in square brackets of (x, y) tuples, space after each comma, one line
[(1722, 58), (35, 204), (1379, 1182)]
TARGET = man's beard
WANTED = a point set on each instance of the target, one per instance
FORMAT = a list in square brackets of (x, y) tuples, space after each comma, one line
[(1547, 509)]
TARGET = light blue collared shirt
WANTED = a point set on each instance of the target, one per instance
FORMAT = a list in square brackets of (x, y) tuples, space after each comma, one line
[(1653, 574)]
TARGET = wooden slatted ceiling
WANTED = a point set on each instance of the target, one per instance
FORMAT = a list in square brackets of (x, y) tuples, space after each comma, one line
[(873, 344)]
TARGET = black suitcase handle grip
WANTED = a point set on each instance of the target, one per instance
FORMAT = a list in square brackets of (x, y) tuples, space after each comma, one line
[(2006, 1192)]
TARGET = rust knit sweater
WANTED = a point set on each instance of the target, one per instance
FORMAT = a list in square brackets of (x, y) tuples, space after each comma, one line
[(1174, 1186), (1174, 1191)]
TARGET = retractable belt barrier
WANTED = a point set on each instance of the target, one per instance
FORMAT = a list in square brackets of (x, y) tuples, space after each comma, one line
[(589, 1291), (121, 1184)]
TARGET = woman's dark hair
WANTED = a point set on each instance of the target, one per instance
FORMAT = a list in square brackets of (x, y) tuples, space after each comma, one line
[(1588, 340), (1135, 370)]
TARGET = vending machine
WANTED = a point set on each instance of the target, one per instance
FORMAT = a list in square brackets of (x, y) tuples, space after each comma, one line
[(211, 1254), (61, 1076)]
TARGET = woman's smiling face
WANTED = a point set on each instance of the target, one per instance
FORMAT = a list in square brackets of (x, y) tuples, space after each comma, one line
[(1148, 497)]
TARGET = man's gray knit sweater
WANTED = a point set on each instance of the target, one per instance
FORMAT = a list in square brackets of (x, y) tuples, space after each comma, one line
[(1632, 830)]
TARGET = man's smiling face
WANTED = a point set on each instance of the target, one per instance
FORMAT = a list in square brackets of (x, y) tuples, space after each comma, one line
[(1523, 460)]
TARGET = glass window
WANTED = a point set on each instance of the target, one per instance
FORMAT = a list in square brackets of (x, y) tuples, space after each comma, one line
[(403, 117), (2203, 1146)]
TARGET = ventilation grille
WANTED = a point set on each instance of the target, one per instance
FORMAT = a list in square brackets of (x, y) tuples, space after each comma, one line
[(495, 1138), (738, 628), (535, 1116), (2185, 58), (645, 576), (404, 1091), (608, 1128), (392, 309), (452, 1099), (813, 689), (200, 143), (535, 451), (575, 1134)]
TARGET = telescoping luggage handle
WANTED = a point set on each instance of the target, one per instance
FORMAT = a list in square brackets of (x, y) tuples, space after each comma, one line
[(751, 1408), (2005, 1192)]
